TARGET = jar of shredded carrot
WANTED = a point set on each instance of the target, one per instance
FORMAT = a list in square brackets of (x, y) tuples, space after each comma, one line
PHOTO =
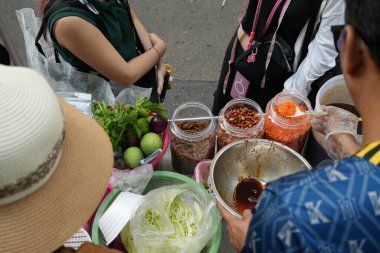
[(280, 123)]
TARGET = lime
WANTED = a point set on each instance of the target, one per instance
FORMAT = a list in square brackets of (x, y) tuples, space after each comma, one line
[(143, 125), (150, 142), (132, 157)]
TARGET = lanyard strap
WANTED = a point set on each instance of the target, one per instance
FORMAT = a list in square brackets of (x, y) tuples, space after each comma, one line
[(271, 15), (271, 48), (254, 26), (256, 19)]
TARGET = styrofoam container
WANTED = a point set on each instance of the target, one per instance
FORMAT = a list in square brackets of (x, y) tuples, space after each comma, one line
[(333, 91)]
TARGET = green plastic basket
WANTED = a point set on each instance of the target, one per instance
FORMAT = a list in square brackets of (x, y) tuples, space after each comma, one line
[(159, 179)]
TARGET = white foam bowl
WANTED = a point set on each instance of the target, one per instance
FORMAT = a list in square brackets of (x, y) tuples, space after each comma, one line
[(333, 91)]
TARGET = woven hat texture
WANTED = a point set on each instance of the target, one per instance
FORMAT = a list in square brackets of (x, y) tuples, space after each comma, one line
[(55, 163)]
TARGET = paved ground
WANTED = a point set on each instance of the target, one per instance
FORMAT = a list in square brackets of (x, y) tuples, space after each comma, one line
[(196, 32)]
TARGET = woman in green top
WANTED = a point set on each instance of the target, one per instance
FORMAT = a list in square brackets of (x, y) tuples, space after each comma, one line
[(103, 36)]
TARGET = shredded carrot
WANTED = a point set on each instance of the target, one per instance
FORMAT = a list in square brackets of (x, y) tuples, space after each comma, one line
[(288, 109), (292, 136)]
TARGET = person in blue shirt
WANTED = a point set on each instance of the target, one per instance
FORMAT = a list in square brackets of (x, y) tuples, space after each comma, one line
[(335, 207)]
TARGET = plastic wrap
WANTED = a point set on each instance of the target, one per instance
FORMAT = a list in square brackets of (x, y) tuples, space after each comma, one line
[(81, 101), (131, 93), (134, 180), (165, 235)]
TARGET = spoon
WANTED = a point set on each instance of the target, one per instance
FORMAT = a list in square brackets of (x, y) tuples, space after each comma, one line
[(194, 119), (307, 113)]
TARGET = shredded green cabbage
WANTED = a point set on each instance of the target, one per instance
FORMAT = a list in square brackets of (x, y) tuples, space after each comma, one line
[(182, 217)]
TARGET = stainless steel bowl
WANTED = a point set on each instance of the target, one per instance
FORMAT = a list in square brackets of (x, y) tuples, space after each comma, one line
[(258, 158)]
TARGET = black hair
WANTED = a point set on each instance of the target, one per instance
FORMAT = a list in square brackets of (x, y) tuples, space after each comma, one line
[(364, 16)]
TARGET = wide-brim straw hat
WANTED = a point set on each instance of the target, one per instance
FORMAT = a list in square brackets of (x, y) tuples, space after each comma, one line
[(45, 219)]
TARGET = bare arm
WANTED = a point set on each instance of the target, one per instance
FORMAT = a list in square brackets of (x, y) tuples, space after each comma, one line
[(87, 43), (141, 31), (237, 228), (147, 43)]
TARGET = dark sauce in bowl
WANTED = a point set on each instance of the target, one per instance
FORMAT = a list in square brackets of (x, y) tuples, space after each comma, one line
[(247, 194)]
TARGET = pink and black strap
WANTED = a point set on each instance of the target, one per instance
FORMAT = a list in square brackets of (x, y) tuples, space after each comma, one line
[(253, 31)]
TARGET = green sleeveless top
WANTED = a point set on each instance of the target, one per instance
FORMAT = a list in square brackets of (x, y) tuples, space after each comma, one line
[(111, 18)]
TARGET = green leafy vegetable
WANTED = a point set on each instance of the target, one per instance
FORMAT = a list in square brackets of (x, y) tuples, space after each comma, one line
[(121, 119), (116, 121), (145, 103)]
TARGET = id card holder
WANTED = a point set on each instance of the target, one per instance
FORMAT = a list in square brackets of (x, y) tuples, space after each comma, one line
[(239, 86)]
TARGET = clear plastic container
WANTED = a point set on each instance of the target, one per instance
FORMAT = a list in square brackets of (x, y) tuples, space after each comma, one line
[(192, 136), (249, 125), (291, 132)]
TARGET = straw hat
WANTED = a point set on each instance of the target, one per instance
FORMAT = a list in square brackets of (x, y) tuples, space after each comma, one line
[(55, 163)]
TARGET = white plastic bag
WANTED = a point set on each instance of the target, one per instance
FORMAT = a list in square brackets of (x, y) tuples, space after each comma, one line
[(151, 229), (61, 76), (81, 101), (131, 93), (134, 180)]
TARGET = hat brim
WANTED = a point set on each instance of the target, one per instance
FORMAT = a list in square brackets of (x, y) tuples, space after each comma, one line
[(44, 220)]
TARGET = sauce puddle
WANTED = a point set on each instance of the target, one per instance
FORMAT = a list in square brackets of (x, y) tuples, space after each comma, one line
[(247, 194)]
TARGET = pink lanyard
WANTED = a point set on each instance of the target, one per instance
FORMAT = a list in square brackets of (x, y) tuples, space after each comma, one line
[(271, 48), (253, 31), (254, 25), (267, 24)]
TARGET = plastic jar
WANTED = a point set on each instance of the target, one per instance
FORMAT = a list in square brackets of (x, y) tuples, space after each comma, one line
[(240, 119), (192, 136), (289, 131)]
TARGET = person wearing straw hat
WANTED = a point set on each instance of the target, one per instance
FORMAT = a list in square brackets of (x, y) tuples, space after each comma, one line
[(335, 207), (55, 163)]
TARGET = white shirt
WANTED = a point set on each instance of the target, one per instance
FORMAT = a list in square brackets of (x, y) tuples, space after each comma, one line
[(321, 51)]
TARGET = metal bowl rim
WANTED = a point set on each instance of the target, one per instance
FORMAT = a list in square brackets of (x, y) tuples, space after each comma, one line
[(227, 147)]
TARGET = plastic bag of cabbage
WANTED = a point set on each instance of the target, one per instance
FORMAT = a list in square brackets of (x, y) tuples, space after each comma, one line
[(178, 218)]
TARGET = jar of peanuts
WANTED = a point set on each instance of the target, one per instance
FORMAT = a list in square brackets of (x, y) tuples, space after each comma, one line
[(280, 123), (192, 136), (240, 119)]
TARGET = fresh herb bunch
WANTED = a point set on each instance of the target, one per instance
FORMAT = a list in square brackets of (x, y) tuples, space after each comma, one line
[(120, 119), (145, 103)]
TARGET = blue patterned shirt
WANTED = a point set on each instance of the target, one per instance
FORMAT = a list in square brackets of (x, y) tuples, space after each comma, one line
[(334, 208)]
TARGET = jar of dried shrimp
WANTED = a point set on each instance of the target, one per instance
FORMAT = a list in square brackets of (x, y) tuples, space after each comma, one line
[(192, 136)]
